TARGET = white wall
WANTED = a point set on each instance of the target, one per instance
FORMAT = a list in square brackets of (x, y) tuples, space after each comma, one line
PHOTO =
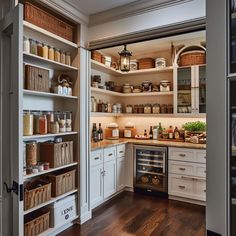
[(164, 16)]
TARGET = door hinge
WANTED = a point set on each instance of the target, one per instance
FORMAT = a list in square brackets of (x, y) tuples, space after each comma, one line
[(15, 189)]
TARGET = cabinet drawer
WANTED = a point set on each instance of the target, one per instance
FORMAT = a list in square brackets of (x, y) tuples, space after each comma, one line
[(183, 168), (201, 170), (96, 157), (121, 150), (201, 156), (201, 189), (109, 154), (181, 154)]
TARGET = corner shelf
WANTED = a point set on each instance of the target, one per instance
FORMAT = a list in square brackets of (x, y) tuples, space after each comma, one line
[(37, 136)]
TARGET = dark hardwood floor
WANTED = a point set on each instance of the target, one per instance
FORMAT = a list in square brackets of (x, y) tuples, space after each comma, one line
[(136, 214)]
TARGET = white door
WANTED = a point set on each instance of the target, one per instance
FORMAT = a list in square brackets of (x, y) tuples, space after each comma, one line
[(120, 173), (109, 178), (11, 154), (96, 185)]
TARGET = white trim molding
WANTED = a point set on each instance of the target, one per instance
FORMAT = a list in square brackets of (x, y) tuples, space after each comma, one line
[(131, 9)]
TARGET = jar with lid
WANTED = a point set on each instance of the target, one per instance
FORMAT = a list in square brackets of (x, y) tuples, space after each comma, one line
[(68, 121), (31, 153), (54, 127), (127, 88), (163, 108), (147, 109), (69, 89), (43, 124), (57, 55), (68, 59), (50, 119), (112, 131), (65, 86), (45, 51), (63, 57), (135, 109), (114, 108), (129, 109), (26, 45), (101, 106), (109, 108), (28, 123), (36, 115), (105, 107), (33, 47), (39, 48), (62, 122), (51, 53), (119, 107), (147, 86), (129, 131), (141, 109), (156, 109), (170, 108)]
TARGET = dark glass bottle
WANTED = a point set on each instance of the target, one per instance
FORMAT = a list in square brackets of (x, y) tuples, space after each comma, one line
[(94, 133), (151, 133)]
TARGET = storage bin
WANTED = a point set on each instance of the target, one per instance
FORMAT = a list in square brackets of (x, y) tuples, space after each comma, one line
[(35, 193), (97, 56), (57, 154), (36, 79), (36, 223), (146, 63), (62, 182), (196, 57), (63, 211), (49, 22)]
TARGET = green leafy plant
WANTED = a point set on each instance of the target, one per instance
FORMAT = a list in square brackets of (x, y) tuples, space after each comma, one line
[(195, 126)]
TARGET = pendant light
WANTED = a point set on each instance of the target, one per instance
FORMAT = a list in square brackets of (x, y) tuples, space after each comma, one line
[(125, 59)]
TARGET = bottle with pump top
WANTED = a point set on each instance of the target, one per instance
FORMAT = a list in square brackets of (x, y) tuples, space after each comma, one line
[(100, 132), (150, 133), (94, 133)]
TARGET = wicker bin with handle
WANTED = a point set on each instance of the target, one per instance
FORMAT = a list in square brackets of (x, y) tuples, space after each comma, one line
[(36, 192), (62, 182), (196, 57), (37, 223)]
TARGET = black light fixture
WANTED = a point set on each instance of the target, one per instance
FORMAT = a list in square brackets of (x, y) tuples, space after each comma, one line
[(125, 59)]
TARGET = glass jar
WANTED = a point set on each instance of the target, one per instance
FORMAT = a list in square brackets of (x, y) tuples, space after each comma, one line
[(170, 109), (57, 55), (114, 108), (69, 89), (26, 45), (62, 123), (156, 109), (39, 49), (147, 109), (163, 108), (43, 124), (28, 123), (31, 153), (68, 121), (141, 109), (135, 109), (51, 53), (63, 57), (109, 108), (54, 127), (45, 51), (127, 88), (101, 107), (36, 115), (119, 108), (50, 118), (129, 109), (33, 47), (68, 59)]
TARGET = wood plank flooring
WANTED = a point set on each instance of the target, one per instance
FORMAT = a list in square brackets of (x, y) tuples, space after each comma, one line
[(135, 214)]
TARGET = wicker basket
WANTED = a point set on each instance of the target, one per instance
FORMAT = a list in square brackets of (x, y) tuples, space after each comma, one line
[(47, 21), (35, 195), (97, 56), (146, 63), (37, 223), (62, 182), (189, 58)]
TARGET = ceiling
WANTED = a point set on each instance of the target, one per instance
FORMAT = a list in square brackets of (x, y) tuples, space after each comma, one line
[(90, 7)]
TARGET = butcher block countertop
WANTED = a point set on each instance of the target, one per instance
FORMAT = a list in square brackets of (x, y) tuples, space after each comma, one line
[(109, 143)]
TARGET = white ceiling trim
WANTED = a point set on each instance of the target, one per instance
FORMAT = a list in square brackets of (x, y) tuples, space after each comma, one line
[(67, 9), (131, 9)]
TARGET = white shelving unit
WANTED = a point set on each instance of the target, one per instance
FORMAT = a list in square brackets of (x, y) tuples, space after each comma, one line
[(39, 136)]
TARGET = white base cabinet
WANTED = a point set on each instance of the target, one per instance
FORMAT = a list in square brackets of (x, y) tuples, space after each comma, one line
[(120, 173), (109, 178)]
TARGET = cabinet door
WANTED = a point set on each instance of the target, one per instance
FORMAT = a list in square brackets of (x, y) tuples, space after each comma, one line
[(11, 132), (109, 178), (96, 185), (120, 173)]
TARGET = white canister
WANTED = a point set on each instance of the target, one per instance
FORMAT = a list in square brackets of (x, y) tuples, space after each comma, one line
[(155, 133), (160, 62), (107, 61), (133, 65), (164, 86)]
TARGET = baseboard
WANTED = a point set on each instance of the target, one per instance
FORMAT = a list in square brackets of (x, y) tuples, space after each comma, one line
[(85, 217), (211, 233), (129, 189), (181, 199)]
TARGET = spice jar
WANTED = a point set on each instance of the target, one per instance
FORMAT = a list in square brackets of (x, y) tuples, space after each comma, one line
[(45, 51), (31, 153), (26, 45), (141, 108), (43, 124), (62, 123), (129, 109), (147, 109), (50, 53), (39, 48), (63, 57), (68, 121), (135, 110), (57, 55), (33, 47), (28, 123), (156, 109), (163, 108), (68, 59)]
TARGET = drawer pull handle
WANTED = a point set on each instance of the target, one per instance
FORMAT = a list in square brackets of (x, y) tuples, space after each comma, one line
[(96, 158), (182, 155), (181, 168), (121, 151), (110, 154), (181, 186), (205, 191)]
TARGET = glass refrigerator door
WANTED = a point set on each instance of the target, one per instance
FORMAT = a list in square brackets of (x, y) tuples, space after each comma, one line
[(202, 89), (233, 37), (184, 101)]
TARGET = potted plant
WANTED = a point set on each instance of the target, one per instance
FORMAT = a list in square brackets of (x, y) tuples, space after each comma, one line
[(195, 132)]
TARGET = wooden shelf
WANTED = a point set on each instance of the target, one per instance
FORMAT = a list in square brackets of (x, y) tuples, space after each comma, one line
[(104, 114), (37, 136), (108, 92), (45, 94), (49, 171), (46, 63), (59, 41), (107, 69), (50, 202)]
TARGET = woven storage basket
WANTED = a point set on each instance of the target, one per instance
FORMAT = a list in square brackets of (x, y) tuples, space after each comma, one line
[(47, 21), (146, 63), (195, 57), (37, 223), (62, 182), (36, 195), (97, 56)]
